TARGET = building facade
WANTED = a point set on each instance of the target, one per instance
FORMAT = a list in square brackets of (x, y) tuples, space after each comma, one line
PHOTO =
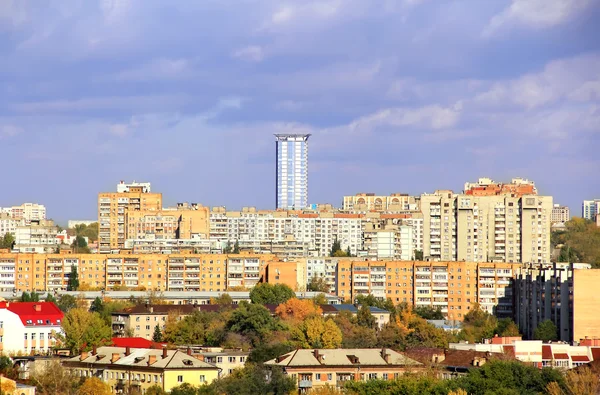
[(38, 236), (560, 214), (590, 209), (26, 211), (563, 293), (29, 327), (291, 172), (365, 202)]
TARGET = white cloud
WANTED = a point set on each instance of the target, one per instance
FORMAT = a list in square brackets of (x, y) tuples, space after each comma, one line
[(535, 14), (252, 53), (158, 69), (428, 117), (9, 131)]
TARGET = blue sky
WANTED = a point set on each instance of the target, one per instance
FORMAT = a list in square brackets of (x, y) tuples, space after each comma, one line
[(400, 96)]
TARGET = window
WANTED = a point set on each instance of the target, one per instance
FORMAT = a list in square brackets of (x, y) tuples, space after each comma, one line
[(219, 359), (180, 379), (231, 359), (202, 378), (372, 376), (385, 376), (318, 376)]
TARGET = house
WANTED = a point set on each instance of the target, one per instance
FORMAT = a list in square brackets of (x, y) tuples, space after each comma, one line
[(29, 328), (320, 367), (226, 360), (140, 320), (451, 363), (382, 316), (124, 368)]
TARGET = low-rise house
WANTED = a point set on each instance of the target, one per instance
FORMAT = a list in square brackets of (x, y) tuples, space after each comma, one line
[(382, 316), (320, 367), (137, 369), (29, 328), (140, 320), (451, 363), (226, 360)]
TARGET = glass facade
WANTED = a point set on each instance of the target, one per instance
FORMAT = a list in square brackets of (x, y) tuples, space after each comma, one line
[(291, 173)]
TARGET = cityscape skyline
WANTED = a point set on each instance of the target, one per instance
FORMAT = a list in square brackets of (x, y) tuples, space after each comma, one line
[(453, 93)]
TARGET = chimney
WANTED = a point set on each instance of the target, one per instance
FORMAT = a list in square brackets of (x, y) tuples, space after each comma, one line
[(385, 355), (151, 359), (115, 357), (37, 307), (127, 351), (317, 355), (189, 351), (84, 355), (151, 309), (94, 350), (164, 355)]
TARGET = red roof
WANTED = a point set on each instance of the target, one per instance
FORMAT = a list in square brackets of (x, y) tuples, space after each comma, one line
[(546, 352), (561, 356), (135, 342), (580, 358), (35, 313), (596, 353), (509, 350)]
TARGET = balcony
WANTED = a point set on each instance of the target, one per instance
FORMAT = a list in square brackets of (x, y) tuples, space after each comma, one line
[(305, 384)]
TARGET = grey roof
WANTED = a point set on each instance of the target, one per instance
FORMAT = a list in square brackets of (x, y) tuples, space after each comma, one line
[(139, 357), (352, 308), (343, 357)]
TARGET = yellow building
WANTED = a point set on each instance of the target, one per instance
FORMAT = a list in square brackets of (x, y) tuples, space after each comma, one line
[(138, 369)]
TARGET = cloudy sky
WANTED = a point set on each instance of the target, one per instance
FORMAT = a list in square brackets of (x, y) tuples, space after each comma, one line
[(399, 95)]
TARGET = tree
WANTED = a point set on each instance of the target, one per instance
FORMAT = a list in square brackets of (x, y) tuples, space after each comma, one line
[(7, 241), (251, 320), (184, 389), (97, 305), (265, 352), (418, 255), (224, 300), (580, 381), (73, 283), (296, 310), (546, 331), (30, 297), (155, 390), (94, 386), (66, 302), (54, 379), (80, 246), (50, 298), (365, 318), (227, 249), (317, 284), (507, 328), (90, 231), (265, 293), (83, 329), (580, 242), (254, 379), (236, 247), (336, 250), (157, 336), (478, 324), (429, 313)]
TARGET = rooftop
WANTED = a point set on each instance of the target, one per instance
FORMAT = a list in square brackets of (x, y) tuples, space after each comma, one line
[(35, 313), (343, 357)]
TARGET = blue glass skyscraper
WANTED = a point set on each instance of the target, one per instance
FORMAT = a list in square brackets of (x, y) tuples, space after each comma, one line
[(291, 173)]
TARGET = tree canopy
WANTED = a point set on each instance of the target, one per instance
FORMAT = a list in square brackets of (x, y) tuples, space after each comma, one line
[(580, 242), (546, 331), (265, 293)]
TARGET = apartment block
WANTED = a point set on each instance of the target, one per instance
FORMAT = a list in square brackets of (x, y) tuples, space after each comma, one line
[(8, 224), (114, 208), (140, 320), (499, 228), (488, 187), (563, 293), (387, 240), (26, 211), (560, 214), (590, 209), (39, 236), (365, 202)]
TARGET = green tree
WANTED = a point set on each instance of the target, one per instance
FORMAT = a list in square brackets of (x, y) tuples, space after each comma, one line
[(580, 242), (53, 379), (253, 321), (157, 336), (507, 328), (50, 298), (66, 302), (83, 329), (7, 241), (155, 390), (317, 284), (97, 305), (30, 297), (265, 352), (478, 324), (337, 251), (546, 331), (365, 318), (80, 246), (90, 231), (429, 313), (73, 283), (255, 379), (418, 255), (227, 249), (265, 293), (236, 247), (184, 389)]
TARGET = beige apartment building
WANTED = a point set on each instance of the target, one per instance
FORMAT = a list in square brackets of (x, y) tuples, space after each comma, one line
[(498, 228), (560, 214), (365, 202), (115, 207), (140, 320)]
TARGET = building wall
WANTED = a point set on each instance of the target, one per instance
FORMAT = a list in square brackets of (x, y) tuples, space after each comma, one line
[(291, 171), (364, 202), (17, 338), (174, 378), (590, 209), (586, 299), (560, 214)]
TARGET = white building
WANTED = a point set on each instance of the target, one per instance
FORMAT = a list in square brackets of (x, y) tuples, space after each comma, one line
[(388, 241), (291, 171), (590, 209), (28, 327), (560, 214), (123, 187), (8, 224), (37, 237), (26, 211)]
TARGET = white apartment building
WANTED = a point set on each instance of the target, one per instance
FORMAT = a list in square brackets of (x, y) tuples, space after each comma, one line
[(590, 209), (123, 187), (560, 214), (38, 236), (320, 231), (27, 327), (291, 171), (8, 224), (26, 211), (501, 228), (387, 241)]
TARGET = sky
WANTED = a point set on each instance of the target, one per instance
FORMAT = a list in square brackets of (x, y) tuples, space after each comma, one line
[(399, 96)]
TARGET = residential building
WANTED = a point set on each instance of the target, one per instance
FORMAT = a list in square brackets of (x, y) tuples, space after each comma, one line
[(499, 228), (114, 208), (382, 317), (385, 240), (488, 187), (316, 368), (560, 214), (182, 222), (140, 320), (8, 224), (365, 202), (291, 171), (225, 359), (590, 209), (563, 293), (29, 327), (39, 236), (449, 364), (124, 368), (27, 212)]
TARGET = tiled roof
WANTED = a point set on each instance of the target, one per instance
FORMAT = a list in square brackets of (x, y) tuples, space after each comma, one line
[(139, 357), (343, 357), (546, 352), (596, 353), (561, 356), (35, 313), (580, 358), (135, 342)]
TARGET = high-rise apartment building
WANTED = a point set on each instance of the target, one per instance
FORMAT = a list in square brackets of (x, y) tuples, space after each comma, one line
[(26, 211), (291, 172), (560, 214), (488, 187), (114, 208), (590, 209), (487, 228)]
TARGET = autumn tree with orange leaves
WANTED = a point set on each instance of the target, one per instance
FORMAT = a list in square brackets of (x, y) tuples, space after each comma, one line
[(297, 310)]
